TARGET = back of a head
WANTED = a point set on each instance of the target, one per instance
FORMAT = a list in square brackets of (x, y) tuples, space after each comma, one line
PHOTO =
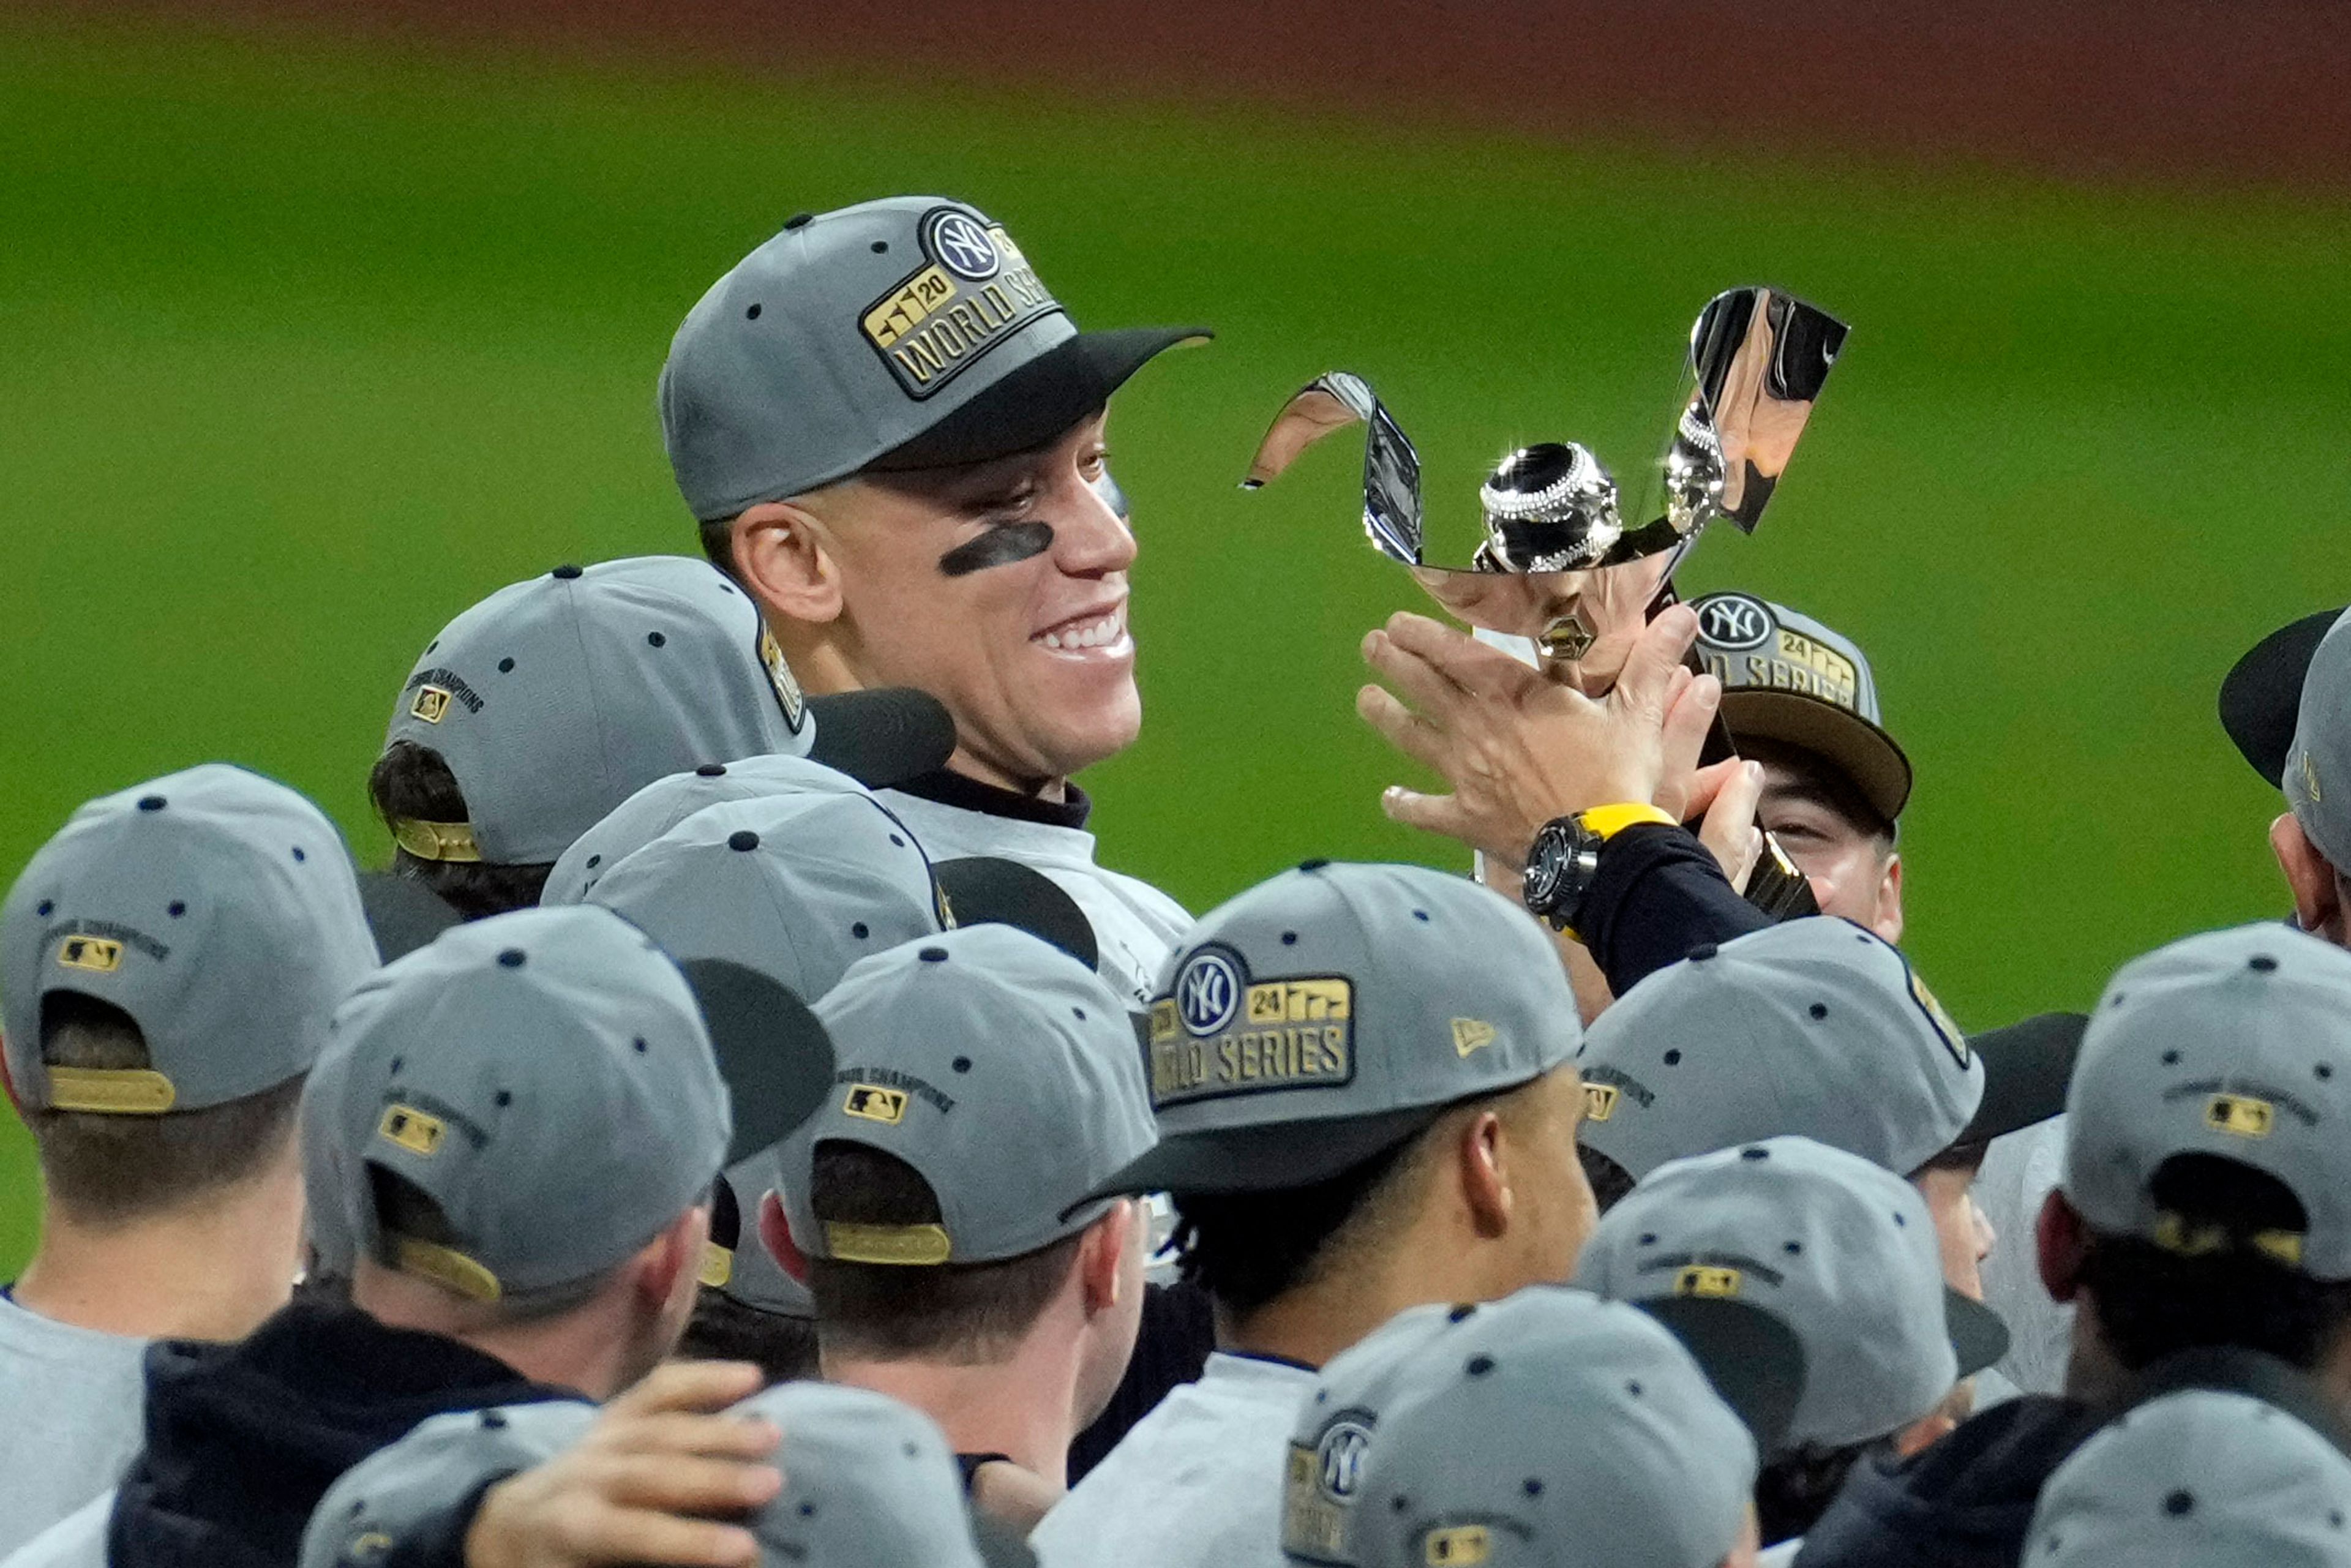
[(170, 960), (2206, 1149), (2317, 779), (1311, 1041), (987, 1084)]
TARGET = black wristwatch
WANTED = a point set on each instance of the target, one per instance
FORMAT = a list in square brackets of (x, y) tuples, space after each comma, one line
[(1564, 860)]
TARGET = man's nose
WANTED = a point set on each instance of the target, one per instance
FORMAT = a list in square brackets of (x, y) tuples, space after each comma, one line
[(1089, 540)]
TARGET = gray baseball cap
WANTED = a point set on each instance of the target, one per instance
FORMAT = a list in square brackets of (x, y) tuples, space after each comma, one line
[(1813, 1026), (1328, 1015), (1001, 1070), (473, 1067), (1338, 1425), (665, 803), (554, 700), (1813, 1240), (2232, 1044), (2216, 1478), (1568, 1430), (909, 332), (1787, 678), (2318, 763), (868, 1482), (214, 907)]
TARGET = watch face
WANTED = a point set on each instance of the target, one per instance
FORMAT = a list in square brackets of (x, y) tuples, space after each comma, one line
[(1547, 865)]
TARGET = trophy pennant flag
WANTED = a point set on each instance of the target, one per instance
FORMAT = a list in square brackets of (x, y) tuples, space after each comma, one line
[(1557, 563)]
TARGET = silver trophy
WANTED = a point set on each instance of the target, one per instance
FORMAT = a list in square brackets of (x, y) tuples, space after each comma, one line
[(1557, 564)]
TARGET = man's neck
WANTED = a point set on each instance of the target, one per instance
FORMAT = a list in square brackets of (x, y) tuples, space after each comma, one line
[(1023, 1409), (1311, 1323), (979, 771), (588, 1347), (211, 1271)]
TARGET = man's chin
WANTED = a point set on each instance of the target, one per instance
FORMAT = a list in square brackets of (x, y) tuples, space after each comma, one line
[(1073, 741)]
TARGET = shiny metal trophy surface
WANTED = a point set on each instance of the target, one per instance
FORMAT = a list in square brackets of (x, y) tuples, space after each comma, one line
[(1556, 563)]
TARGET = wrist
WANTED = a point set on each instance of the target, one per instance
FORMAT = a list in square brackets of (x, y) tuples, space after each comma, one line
[(1564, 859)]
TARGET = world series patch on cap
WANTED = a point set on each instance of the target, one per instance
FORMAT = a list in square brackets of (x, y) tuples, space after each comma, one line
[(555, 699), (1332, 1013), (216, 909), (909, 332), (2234, 1044), (1787, 678)]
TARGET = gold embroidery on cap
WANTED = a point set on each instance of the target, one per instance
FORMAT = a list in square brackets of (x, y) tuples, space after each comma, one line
[(1472, 1034), (1456, 1546), (1953, 1040), (101, 954), (1708, 1281), (446, 1267), (717, 1264), (872, 1103), (2310, 779), (431, 704), (413, 1130), (2239, 1114), (1599, 1102), (895, 1245), (111, 1090), (366, 1545), (447, 842), (780, 677)]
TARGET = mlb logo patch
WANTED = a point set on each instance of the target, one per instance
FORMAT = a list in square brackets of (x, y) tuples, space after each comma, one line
[(874, 1103), (431, 704), (99, 955)]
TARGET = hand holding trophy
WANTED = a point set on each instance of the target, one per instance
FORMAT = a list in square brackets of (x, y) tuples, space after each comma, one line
[(1607, 711)]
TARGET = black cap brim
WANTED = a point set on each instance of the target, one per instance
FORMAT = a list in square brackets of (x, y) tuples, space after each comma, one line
[(2027, 1068), (403, 914), (1039, 402), (774, 1056), (882, 737), (1272, 1158), (984, 889), (2260, 699), (1755, 1362), (1858, 748), (1979, 1337)]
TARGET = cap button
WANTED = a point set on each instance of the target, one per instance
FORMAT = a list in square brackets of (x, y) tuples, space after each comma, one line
[(743, 839), (933, 955), (567, 572), (1315, 864), (2261, 963), (712, 771), (151, 802), (1702, 951), (800, 220), (512, 958)]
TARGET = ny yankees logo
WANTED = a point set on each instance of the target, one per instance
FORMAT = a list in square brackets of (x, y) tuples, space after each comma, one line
[(963, 247)]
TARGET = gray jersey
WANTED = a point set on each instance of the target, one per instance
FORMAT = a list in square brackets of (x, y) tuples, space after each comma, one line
[(1135, 924), (72, 1416)]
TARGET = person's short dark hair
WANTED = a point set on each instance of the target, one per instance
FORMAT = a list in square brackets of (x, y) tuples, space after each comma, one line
[(2151, 1301), (1825, 782), (1794, 1490), (891, 1312), (723, 1329), (718, 544), (104, 1170), (411, 782), (404, 1210), (1610, 1181)]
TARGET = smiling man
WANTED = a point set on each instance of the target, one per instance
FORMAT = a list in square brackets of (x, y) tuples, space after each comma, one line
[(893, 434)]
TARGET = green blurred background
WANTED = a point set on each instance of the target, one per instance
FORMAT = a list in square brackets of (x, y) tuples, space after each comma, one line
[(303, 346)]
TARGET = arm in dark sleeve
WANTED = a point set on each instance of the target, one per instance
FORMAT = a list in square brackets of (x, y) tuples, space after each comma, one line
[(1659, 893)]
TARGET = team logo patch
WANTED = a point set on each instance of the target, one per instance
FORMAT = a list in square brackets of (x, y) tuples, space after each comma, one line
[(411, 1129), (1222, 1033), (99, 955), (874, 1103), (780, 677), (1339, 1459), (1472, 1034), (1599, 1102), (430, 704), (957, 242), (1456, 1546), (1946, 1030), (1208, 992), (2240, 1116), (1708, 1281), (1734, 622)]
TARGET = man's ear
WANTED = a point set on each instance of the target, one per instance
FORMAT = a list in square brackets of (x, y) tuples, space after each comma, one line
[(1888, 920), (671, 1262), (2060, 1239), (2317, 890), (1482, 1155), (776, 1235), (782, 555), (1102, 1255)]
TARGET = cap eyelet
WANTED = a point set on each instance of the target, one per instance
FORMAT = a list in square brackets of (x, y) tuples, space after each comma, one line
[(961, 1064), (881, 247), (655, 640), (642, 1045), (897, 842), (46, 906), (1421, 915), (1081, 1013), (505, 667), (501, 1099), (1648, 1238), (2325, 1070), (858, 930), (1793, 1248), (299, 855), (1818, 1011), (176, 908), (1674, 1057), (2171, 1059), (1632, 1387), (2179, 1503), (595, 860), (1479, 1365), (1289, 938), (752, 312)]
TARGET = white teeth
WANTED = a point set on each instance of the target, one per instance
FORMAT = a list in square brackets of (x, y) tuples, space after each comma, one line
[(1099, 634), (1052, 641)]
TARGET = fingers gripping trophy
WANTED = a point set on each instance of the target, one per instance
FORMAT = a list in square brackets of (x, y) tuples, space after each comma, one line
[(1560, 571)]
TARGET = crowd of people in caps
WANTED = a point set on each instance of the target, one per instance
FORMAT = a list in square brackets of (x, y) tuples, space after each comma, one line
[(743, 1124)]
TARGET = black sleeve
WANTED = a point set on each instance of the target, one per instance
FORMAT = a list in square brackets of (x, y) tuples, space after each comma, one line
[(1659, 893), (1177, 1333)]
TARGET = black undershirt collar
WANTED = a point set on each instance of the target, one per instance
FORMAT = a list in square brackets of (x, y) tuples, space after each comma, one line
[(951, 788)]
